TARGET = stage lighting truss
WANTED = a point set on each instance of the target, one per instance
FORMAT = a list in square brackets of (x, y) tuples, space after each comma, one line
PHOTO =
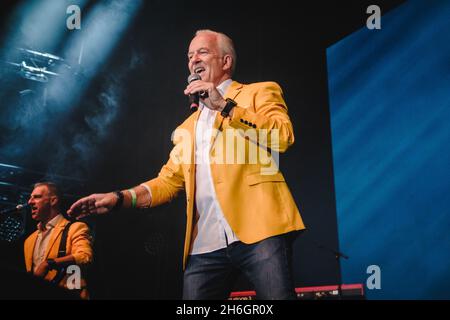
[(38, 66)]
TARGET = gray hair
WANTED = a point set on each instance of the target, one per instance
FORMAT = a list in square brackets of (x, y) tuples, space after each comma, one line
[(225, 45)]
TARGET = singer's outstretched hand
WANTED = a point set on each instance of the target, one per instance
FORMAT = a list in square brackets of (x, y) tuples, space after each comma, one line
[(209, 94), (99, 203)]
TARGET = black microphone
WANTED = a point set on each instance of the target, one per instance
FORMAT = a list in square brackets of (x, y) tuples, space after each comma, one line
[(15, 209), (195, 97)]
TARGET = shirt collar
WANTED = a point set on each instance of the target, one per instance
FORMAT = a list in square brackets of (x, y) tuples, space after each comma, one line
[(223, 87), (50, 224)]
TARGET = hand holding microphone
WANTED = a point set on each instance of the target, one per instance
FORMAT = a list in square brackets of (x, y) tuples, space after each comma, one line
[(197, 88)]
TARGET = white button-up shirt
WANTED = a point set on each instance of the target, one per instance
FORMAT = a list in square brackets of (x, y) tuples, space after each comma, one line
[(213, 231), (43, 237)]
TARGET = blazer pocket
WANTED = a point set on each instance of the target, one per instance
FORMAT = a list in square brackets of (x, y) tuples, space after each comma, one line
[(257, 178)]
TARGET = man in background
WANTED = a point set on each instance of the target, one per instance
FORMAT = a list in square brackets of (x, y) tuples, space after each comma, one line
[(57, 243)]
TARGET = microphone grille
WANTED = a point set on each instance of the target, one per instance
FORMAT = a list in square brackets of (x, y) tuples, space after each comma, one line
[(194, 77)]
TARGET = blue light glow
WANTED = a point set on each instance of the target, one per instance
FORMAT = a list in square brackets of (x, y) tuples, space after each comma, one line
[(390, 115)]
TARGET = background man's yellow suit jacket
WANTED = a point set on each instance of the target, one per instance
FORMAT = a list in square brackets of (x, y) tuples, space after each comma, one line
[(79, 244), (254, 196)]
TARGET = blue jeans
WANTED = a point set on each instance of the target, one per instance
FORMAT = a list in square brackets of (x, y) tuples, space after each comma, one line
[(267, 264)]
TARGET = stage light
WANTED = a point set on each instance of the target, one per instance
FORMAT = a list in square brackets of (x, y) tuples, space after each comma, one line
[(61, 63)]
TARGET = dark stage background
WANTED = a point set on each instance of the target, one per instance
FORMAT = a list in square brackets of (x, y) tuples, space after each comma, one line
[(115, 132)]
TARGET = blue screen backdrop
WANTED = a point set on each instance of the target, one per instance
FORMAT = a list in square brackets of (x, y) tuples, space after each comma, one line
[(389, 94)]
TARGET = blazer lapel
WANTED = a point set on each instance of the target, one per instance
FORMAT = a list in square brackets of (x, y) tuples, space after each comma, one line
[(191, 170), (233, 90), (55, 234), (29, 249), (194, 131)]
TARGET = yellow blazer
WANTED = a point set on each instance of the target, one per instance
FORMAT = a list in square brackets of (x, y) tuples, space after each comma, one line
[(253, 195), (79, 245)]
